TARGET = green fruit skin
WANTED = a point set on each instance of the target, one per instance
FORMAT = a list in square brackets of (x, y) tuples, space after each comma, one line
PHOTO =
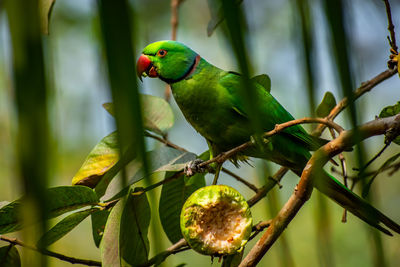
[(203, 197)]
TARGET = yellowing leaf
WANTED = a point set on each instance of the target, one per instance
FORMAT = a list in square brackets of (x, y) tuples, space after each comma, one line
[(102, 158)]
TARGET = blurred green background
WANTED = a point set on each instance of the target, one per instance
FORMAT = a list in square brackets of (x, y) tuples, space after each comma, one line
[(78, 88)]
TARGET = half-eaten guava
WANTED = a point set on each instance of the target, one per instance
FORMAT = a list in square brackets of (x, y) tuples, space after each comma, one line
[(216, 220)]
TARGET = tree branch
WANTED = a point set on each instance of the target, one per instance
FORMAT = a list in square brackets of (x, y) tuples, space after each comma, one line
[(164, 141), (59, 256), (174, 17), (222, 157), (304, 189), (392, 39), (364, 88), (272, 181), (240, 179), (174, 29), (259, 227)]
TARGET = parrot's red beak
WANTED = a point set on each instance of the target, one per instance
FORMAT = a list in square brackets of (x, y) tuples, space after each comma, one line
[(144, 67)]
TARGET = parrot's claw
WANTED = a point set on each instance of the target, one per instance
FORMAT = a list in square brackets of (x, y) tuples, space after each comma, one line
[(193, 167)]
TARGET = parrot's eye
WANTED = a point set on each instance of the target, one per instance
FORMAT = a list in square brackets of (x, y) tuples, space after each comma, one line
[(161, 53)]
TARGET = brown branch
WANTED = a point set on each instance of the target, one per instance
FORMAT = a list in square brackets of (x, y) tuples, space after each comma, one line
[(392, 39), (259, 227), (166, 180), (272, 181), (165, 141), (278, 128), (59, 256), (374, 158), (344, 171), (174, 29), (240, 179), (304, 189), (364, 88), (175, 17)]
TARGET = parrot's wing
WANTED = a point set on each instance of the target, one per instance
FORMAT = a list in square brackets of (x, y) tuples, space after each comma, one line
[(272, 112)]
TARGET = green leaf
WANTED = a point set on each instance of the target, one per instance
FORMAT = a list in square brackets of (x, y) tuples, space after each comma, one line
[(326, 105), (387, 163), (101, 159), (64, 227), (135, 220), (157, 114), (125, 241), (63, 199), (161, 159), (109, 246), (264, 80), (388, 112), (232, 260), (68, 198), (45, 9), (173, 196), (9, 256), (99, 220), (9, 218)]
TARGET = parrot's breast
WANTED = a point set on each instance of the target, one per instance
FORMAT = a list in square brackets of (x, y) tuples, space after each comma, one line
[(207, 108)]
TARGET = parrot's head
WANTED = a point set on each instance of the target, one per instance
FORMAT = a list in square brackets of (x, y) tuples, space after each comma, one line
[(170, 61)]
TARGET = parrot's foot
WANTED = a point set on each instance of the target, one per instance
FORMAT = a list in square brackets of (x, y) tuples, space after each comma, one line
[(193, 167)]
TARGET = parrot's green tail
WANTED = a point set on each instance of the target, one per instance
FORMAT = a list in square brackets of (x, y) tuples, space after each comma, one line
[(331, 187)]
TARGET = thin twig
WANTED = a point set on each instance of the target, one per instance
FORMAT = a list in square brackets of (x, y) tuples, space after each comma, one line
[(364, 88), (240, 179), (216, 175), (174, 17), (166, 180), (304, 189), (344, 171), (59, 256), (392, 39), (174, 29), (165, 141), (259, 227), (275, 179), (374, 158)]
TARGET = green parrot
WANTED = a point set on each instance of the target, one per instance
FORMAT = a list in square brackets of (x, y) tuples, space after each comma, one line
[(210, 100)]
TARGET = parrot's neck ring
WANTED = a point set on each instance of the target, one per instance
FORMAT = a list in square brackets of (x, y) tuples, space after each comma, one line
[(187, 74)]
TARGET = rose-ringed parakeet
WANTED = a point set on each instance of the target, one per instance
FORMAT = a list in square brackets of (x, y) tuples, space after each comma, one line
[(210, 100)]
